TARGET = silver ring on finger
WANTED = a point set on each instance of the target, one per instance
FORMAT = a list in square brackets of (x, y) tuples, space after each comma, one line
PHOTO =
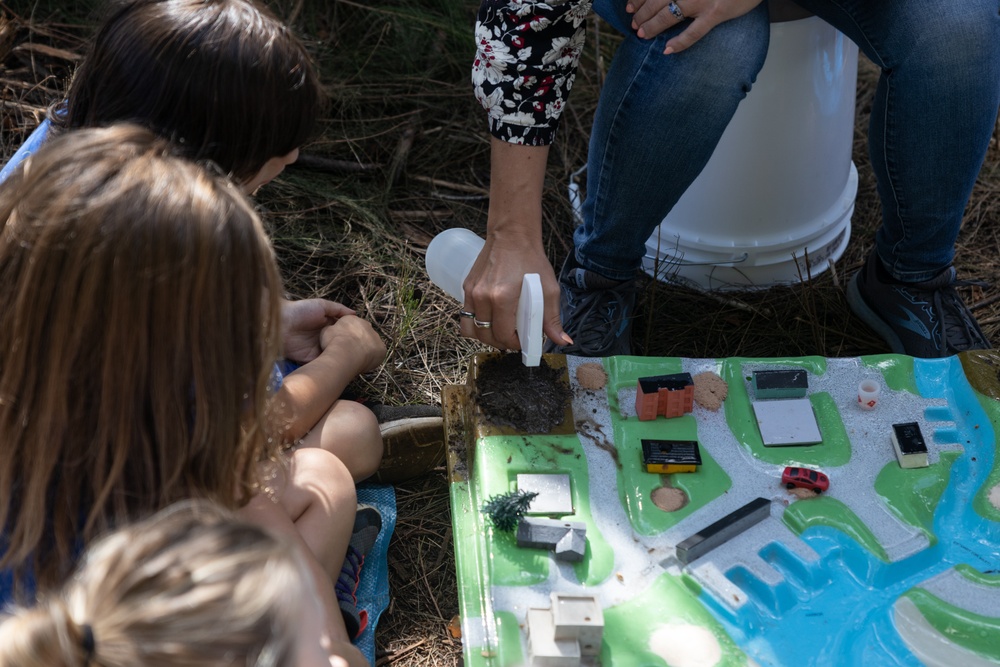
[(465, 313), (481, 324), (676, 11)]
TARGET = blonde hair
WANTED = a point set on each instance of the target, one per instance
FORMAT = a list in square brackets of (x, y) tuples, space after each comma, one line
[(139, 326), (191, 586)]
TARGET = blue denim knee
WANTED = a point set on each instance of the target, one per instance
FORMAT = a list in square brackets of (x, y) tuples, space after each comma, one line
[(658, 120)]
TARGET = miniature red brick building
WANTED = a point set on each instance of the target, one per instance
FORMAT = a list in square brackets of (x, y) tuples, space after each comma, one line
[(667, 395)]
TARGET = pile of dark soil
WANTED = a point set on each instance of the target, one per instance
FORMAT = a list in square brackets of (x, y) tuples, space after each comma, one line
[(530, 400)]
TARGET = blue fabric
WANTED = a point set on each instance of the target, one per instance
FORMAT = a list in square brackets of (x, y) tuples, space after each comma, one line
[(660, 117), (373, 586), (6, 588), (282, 367), (32, 144)]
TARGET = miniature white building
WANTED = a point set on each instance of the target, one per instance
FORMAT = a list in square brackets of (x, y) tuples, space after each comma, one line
[(571, 629)]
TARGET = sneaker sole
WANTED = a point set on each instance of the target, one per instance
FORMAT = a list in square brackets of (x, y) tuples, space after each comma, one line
[(861, 308), (412, 447)]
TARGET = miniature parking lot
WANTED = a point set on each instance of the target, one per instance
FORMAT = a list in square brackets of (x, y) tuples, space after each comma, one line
[(725, 564)]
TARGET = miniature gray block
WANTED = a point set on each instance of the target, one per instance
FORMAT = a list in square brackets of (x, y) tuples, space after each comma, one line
[(723, 530), (787, 422), (780, 383), (578, 617), (544, 650), (553, 489), (568, 539)]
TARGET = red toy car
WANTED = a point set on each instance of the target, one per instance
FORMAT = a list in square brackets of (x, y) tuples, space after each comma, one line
[(805, 478)]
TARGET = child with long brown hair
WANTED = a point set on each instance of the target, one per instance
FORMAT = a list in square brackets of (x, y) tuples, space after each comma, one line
[(228, 82), (140, 325), (191, 586)]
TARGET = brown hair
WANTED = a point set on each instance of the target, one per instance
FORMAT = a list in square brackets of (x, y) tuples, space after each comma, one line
[(140, 323), (191, 586), (222, 78)]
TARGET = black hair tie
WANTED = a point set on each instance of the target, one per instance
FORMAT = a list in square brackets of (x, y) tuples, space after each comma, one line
[(87, 642)]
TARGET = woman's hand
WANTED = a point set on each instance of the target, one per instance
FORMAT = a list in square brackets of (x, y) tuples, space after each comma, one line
[(651, 17), (493, 288)]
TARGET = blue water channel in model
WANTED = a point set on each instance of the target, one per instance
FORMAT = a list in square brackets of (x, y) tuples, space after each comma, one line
[(839, 613)]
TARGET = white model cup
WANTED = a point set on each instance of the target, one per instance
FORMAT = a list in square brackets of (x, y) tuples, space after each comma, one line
[(450, 257), (868, 391)]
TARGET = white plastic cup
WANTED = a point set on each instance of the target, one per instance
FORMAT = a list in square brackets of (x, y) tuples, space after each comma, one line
[(868, 392), (450, 257)]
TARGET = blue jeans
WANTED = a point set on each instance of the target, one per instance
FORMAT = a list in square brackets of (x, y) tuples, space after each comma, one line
[(660, 117)]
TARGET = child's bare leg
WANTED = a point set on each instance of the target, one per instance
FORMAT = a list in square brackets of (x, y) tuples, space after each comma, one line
[(349, 431), (313, 502)]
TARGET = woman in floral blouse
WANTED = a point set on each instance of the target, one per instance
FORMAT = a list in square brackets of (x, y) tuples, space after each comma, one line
[(674, 84)]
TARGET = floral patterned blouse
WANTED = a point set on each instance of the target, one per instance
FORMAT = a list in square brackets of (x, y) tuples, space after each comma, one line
[(526, 58)]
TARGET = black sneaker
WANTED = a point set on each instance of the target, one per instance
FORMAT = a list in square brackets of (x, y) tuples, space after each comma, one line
[(926, 319), (367, 524), (596, 312)]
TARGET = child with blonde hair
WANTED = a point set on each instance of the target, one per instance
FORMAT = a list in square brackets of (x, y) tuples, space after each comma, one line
[(140, 326), (192, 586)]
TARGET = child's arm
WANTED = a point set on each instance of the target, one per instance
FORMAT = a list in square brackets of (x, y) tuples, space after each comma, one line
[(350, 347)]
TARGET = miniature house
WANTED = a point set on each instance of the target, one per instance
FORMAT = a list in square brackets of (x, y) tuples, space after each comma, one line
[(580, 618), (908, 441), (571, 629), (670, 456), (667, 395), (788, 383), (567, 540)]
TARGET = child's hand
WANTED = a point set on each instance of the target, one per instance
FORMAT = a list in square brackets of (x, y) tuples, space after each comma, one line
[(354, 339), (301, 325)]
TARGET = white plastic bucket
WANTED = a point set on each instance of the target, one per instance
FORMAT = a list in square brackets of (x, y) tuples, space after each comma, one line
[(780, 186)]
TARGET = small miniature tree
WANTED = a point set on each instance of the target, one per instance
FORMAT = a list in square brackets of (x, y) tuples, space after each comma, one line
[(506, 509)]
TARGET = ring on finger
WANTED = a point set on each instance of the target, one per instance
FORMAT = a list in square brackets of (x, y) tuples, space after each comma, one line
[(465, 313), (481, 324), (676, 11)]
